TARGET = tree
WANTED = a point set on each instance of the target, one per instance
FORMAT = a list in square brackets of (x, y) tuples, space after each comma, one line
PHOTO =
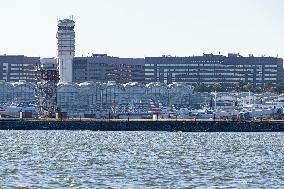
[(217, 87), (239, 87), (257, 90), (248, 87), (207, 88), (267, 87), (279, 88), (200, 87)]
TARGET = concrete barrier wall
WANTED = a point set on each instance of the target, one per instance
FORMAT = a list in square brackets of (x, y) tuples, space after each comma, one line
[(172, 126)]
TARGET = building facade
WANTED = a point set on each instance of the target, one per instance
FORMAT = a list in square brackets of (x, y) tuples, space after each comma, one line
[(65, 48), (14, 68), (210, 69), (21, 91), (103, 68), (95, 97)]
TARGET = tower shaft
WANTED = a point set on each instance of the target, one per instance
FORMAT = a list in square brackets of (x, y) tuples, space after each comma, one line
[(65, 49)]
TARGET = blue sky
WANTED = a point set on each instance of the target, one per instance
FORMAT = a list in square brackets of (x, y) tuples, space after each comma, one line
[(132, 28)]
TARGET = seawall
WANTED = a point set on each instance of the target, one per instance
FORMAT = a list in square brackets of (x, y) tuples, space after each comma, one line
[(172, 126)]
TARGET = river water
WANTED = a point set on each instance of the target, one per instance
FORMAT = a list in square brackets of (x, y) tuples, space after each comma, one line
[(87, 159)]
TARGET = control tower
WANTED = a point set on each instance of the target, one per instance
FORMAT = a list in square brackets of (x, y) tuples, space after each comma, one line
[(65, 48)]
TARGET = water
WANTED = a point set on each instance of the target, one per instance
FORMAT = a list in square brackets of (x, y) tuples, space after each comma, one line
[(85, 159)]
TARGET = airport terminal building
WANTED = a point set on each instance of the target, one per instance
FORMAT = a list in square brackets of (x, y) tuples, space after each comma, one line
[(14, 68), (104, 68), (210, 69)]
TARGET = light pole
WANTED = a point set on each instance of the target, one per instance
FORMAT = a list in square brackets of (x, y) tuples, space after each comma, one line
[(215, 101), (101, 97)]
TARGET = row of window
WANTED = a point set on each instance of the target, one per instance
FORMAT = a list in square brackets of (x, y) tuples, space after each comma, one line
[(209, 64)]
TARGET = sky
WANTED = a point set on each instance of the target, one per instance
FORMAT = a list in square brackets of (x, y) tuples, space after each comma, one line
[(140, 28)]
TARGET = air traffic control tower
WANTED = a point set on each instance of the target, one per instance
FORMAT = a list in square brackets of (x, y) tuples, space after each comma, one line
[(65, 48)]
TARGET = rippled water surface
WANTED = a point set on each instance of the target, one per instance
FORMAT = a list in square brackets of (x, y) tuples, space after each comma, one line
[(86, 159)]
